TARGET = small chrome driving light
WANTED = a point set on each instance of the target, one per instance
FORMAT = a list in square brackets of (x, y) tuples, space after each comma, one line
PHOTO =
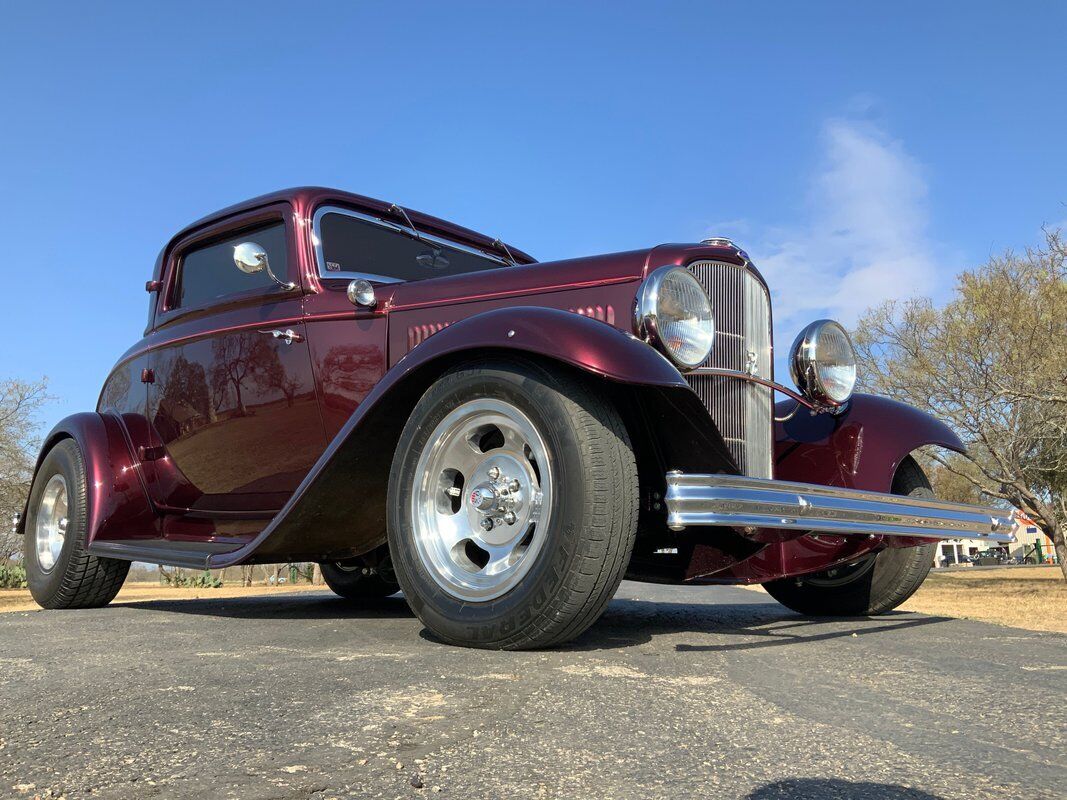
[(822, 363), (673, 313), (361, 293)]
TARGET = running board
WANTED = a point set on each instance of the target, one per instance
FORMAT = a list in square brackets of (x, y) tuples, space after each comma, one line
[(742, 502), (190, 555)]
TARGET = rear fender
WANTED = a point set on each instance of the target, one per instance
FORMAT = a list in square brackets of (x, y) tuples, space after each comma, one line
[(339, 508), (118, 502)]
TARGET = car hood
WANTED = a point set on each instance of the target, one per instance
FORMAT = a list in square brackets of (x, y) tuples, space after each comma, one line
[(516, 281)]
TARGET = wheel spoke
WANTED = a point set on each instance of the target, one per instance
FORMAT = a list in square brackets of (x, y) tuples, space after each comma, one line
[(514, 440), (461, 456), (453, 529), (500, 558)]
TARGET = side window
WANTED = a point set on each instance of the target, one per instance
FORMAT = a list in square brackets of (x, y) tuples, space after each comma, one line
[(352, 245), (208, 273)]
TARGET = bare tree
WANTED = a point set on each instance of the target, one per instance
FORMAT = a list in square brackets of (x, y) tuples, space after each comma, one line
[(19, 404), (993, 364)]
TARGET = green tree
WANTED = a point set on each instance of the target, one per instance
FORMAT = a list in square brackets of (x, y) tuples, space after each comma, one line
[(992, 363)]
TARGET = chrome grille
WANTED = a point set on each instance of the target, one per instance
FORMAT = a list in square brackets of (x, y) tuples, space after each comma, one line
[(742, 410)]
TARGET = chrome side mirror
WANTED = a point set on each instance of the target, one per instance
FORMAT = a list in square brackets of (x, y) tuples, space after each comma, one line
[(251, 258), (361, 293)]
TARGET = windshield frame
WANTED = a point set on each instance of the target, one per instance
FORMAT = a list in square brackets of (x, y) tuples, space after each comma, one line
[(403, 230)]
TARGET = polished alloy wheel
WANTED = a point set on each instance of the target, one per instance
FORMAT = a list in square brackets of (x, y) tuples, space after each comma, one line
[(51, 529), (482, 499)]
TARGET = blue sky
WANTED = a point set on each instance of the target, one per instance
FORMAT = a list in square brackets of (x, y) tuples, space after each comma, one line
[(857, 150)]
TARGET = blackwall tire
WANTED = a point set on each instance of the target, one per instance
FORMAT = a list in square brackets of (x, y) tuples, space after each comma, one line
[(59, 571), (559, 539), (361, 579), (876, 584)]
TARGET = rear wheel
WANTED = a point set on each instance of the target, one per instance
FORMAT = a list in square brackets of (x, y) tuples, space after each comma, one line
[(362, 578), (59, 571), (873, 585), (512, 506)]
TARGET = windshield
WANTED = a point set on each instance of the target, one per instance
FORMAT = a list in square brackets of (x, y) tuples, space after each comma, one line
[(352, 246)]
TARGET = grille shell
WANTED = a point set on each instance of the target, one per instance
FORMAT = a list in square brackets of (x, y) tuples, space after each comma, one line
[(742, 410)]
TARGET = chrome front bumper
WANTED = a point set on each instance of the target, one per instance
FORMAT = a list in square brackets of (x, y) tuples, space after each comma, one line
[(743, 502)]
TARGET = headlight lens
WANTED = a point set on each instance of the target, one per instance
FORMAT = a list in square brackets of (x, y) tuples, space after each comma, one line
[(823, 363), (674, 313)]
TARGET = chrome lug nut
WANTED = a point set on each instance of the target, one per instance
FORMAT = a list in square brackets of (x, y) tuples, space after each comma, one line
[(514, 485), (493, 473), (487, 523), (509, 518)]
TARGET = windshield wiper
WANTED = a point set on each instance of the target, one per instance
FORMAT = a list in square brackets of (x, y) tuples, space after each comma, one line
[(504, 247), (437, 251), (435, 258), (395, 209)]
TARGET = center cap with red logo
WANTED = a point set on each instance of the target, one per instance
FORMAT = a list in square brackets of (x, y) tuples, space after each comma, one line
[(483, 498)]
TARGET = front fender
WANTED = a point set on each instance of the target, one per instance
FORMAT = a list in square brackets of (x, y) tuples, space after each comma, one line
[(339, 507), (860, 448), (118, 502), (580, 341)]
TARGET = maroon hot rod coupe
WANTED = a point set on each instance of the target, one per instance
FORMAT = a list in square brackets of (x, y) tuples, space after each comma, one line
[(326, 377)]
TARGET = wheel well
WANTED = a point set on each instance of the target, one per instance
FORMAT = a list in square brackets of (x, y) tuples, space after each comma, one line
[(643, 409), (49, 444), (668, 429), (46, 448)]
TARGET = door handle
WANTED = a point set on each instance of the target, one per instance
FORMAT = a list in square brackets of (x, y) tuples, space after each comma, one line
[(288, 335)]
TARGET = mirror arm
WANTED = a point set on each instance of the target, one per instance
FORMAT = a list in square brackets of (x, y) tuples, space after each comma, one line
[(287, 285)]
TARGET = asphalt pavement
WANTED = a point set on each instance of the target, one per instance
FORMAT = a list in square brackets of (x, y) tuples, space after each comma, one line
[(676, 692)]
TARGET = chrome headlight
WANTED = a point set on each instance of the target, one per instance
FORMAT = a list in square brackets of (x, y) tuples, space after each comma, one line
[(823, 363), (673, 312)]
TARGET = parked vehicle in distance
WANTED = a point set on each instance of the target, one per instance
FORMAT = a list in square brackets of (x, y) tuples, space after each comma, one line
[(992, 557), (326, 377)]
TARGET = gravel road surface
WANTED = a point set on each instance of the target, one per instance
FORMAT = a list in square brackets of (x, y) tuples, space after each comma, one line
[(677, 692)]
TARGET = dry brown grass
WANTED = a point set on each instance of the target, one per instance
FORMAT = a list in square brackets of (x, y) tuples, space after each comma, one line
[(20, 600), (1034, 598)]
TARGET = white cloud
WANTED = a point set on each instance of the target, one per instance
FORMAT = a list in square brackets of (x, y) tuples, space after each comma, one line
[(864, 236)]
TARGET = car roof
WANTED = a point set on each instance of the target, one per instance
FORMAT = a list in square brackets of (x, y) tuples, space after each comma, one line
[(305, 198)]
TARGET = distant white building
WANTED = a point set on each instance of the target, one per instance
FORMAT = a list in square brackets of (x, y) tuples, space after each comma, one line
[(953, 551), (1030, 543)]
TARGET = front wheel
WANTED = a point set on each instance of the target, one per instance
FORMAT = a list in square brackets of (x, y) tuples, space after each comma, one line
[(513, 503), (873, 585)]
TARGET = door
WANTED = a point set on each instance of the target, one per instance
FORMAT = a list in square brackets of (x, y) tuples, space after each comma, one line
[(231, 393)]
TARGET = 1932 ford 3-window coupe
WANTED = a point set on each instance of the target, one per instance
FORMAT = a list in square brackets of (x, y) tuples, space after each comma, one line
[(418, 407)]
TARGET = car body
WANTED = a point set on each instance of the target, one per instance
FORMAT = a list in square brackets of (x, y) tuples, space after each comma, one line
[(258, 418)]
